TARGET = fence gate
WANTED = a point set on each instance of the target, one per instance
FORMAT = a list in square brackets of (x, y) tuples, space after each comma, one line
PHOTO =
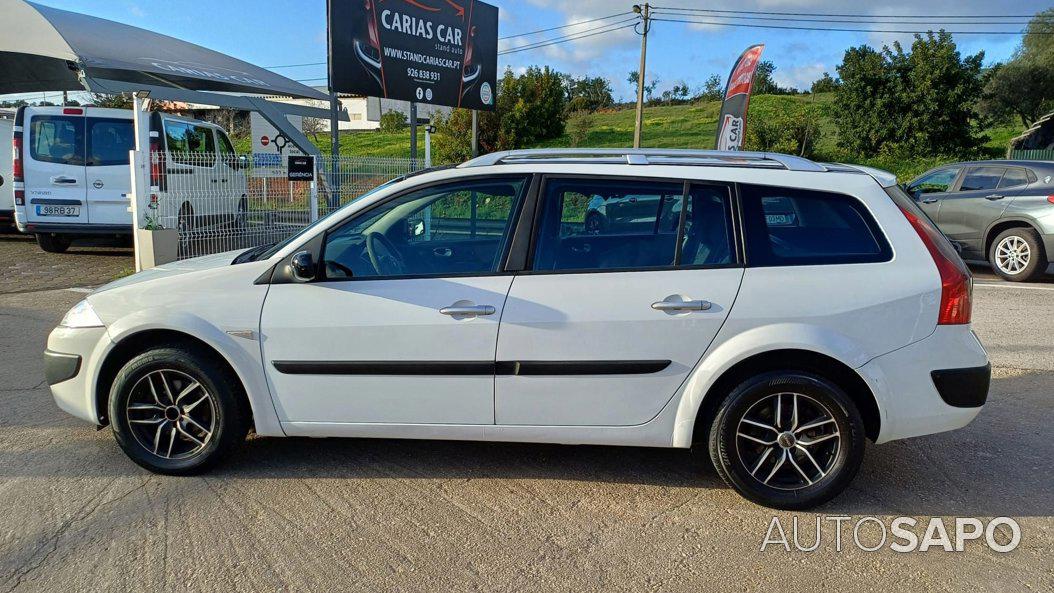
[(223, 201)]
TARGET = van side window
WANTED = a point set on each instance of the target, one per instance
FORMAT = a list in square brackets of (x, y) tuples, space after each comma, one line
[(57, 139), (225, 143), (190, 144), (796, 227), (109, 141)]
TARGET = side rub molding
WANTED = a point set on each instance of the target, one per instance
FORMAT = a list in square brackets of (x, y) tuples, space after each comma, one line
[(517, 367)]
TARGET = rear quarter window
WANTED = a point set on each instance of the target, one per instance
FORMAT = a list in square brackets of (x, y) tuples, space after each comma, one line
[(57, 139), (797, 227)]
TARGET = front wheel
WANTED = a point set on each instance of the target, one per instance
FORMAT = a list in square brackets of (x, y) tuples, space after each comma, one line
[(174, 411), (787, 440), (1017, 255), (53, 243)]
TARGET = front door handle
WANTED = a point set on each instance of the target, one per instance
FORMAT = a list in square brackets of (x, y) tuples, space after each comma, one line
[(457, 310), (443, 252), (994, 197), (681, 305), (929, 200)]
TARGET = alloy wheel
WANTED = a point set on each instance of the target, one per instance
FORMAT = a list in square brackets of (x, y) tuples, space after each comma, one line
[(788, 441), (171, 414), (1012, 255)]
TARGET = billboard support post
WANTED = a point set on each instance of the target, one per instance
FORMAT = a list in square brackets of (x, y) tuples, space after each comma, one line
[(413, 135), (475, 133), (334, 138)]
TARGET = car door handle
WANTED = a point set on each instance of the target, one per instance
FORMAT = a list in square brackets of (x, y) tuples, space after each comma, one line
[(443, 252), (468, 310), (63, 180), (929, 200), (681, 305), (994, 197)]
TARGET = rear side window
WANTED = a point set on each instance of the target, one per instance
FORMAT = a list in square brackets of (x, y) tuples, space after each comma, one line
[(190, 144), (109, 141), (981, 178), (795, 227), (57, 139), (1014, 177)]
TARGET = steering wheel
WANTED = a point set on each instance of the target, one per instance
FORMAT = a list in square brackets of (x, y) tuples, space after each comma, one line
[(384, 257)]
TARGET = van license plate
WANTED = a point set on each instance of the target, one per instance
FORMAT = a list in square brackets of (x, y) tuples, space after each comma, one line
[(50, 210)]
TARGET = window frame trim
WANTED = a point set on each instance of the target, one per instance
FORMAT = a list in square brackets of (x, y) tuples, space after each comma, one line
[(737, 248)]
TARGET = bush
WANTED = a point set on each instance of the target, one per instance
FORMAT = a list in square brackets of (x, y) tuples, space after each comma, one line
[(393, 122), (791, 131), (578, 126)]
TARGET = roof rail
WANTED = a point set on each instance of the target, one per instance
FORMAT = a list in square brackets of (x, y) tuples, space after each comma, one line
[(646, 156)]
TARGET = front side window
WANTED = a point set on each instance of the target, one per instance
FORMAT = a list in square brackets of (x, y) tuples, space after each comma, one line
[(57, 139), (786, 227), (454, 229), (935, 182), (109, 141), (982, 178)]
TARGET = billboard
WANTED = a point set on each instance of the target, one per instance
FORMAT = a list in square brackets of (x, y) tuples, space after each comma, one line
[(443, 52), (732, 125)]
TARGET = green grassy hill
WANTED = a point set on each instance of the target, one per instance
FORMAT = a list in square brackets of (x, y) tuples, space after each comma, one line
[(683, 126)]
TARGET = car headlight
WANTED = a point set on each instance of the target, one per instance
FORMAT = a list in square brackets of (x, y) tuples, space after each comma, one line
[(81, 315)]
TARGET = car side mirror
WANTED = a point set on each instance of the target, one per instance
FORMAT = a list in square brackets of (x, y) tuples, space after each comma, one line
[(414, 228), (304, 268)]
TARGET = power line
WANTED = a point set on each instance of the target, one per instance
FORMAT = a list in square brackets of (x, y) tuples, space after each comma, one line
[(603, 18), (826, 20), (571, 37), (801, 28), (824, 14)]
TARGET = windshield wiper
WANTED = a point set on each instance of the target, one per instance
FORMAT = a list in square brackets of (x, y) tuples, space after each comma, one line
[(252, 253)]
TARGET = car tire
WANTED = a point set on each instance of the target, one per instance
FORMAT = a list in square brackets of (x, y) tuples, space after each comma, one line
[(195, 427), (812, 465), (53, 243), (1017, 255)]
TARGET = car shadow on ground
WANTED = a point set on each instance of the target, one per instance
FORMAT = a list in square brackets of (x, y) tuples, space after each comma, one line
[(999, 465)]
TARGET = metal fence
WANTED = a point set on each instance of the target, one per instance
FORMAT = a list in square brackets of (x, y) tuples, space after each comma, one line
[(222, 202), (1033, 155)]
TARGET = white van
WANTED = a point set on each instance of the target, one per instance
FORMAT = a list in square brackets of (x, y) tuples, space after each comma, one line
[(73, 162), (7, 182)]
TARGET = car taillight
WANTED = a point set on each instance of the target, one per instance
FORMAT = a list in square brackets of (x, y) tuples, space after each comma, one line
[(956, 283), (17, 172), (20, 197), (1050, 199)]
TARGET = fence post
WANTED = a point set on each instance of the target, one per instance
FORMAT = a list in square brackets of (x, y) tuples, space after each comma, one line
[(313, 206)]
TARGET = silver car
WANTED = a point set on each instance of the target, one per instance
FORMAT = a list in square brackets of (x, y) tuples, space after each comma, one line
[(999, 211)]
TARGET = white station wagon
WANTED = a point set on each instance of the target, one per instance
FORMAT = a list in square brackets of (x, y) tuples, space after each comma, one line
[(770, 309)]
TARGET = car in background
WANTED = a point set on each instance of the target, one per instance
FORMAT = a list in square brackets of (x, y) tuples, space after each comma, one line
[(72, 167), (7, 182), (998, 211)]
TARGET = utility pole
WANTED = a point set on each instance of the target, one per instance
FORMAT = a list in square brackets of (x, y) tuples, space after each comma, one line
[(475, 133), (645, 13)]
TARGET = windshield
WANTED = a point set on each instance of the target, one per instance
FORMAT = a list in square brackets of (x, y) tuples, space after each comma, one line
[(261, 252)]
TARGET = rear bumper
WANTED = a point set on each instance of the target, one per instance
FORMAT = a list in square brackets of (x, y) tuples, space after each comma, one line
[(934, 385), (76, 229)]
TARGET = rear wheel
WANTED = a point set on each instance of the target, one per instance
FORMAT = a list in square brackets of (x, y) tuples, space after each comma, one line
[(53, 243), (176, 412), (1017, 255), (787, 440)]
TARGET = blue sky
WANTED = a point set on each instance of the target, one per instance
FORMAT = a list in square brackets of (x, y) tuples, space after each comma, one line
[(274, 33)]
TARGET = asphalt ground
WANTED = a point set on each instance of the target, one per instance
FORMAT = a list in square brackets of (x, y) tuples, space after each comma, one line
[(373, 515)]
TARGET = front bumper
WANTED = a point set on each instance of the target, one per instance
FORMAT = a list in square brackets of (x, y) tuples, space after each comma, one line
[(909, 400), (71, 364)]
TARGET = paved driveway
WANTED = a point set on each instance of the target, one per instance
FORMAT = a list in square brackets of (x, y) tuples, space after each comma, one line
[(24, 267)]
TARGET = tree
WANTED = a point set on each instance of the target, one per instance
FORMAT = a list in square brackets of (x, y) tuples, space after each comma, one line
[(765, 84), (579, 125), (1024, 86), (314, 125), (393, 122), (529, 108), (713, 90), (825, 84), (649, 88), (922, 101), (588, 93), (120, 101)]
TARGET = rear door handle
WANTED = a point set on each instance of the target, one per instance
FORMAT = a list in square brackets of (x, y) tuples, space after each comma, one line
[(994, 197), (468, 310), (681, 305), (63, 180), (443, 252), (929, 200)]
